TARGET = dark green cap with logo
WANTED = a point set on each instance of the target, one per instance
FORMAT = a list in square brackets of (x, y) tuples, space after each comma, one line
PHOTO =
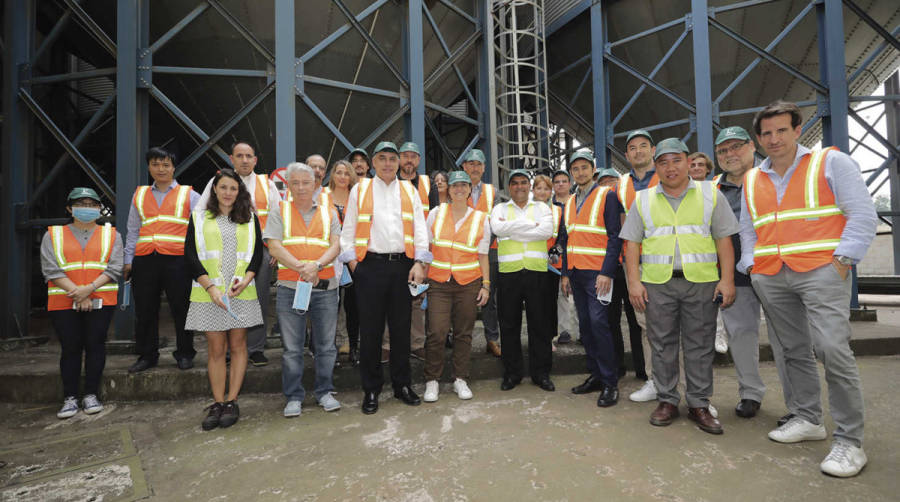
[(358, 151), (385, 146), (458, 177), (517, 172), (83, 193), (670, 145), (637, 133), (584, 153), (409, 146), (474, 155), (733, 132), (607, 172)]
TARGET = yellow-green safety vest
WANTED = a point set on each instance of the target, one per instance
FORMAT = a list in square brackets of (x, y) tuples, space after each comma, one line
[(208, 239), (516, 255)]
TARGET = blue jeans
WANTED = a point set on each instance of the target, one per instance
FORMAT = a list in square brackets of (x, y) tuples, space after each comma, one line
[(323, 307)]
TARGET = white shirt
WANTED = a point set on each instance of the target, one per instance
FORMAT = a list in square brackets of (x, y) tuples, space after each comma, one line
[(484, 245), (250, 183), (386, 233), (520, 227)]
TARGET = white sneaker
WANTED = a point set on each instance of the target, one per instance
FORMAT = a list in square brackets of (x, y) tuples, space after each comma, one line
[(721, 341), (844, 460), (69, 408), (796, 430), (91, 404), (329, 403), (293, 409), (645, 393), (431, 391), (462, 389), (713, 411)]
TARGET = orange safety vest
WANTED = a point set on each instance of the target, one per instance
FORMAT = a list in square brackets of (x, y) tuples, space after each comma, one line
[(306, 243), (586, 247), (485, 204), (81, 266), (424, 189), (804, 229), (262, 199), (162, 228), (456, 251), (557, 215), (626, 189), (366, 208)]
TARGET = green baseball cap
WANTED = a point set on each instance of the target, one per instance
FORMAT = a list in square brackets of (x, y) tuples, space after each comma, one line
[(670, 145), (385, 146), (359, 151), (458, 177), (409, 146), (82, 193), (733, 132), (474, 155), (636, 133), (584, 153), (517, 172), (608, 172)]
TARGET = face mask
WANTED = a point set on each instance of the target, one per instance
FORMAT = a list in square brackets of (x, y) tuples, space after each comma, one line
[(85, 214)]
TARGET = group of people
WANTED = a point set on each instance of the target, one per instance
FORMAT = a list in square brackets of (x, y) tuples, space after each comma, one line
[(412, 259)]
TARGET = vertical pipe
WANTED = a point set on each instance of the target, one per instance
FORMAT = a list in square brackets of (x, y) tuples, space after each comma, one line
[(19, 23), (892, 115), (286, 68), (598, 74), (702, 76), (415, 72), (486, 90)]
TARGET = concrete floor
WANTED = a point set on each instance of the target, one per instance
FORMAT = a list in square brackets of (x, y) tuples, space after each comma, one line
[(525, 444)]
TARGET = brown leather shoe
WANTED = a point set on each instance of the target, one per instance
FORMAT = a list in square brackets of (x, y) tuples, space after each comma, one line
[(705, 421), (664, 414), (492, 348)]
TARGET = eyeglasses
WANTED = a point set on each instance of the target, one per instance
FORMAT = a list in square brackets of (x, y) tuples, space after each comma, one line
[(730, 149)]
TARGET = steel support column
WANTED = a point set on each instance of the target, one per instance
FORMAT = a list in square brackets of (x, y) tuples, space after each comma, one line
[(832, 70), (286, 71), (415, 72), (599, 84), (892, 113), (702, 77), (18, 37), (488, 111)]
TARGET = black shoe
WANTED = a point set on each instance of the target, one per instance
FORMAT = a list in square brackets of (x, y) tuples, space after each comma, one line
[(141, 365), (545, 383), (591, 384), (564, 338), (230, 414), (407, 395), (354, 356), (509, 383), (184, 363), (258, 359), (785, 419), (609, 396), (747, 408), (213, 418), (370, 403)]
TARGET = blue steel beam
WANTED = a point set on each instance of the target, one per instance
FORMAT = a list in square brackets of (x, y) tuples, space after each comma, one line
[(183, 119), (488, 115), (180, 25), (600, 106), (702, 77), (646, 33), (448, 54), (330, 39), (51, 37), (578, 62), (877, 52), (450, 113), (652, 83), (450, 62), (376, 48), (866, 18), (210, 72), (462, 13), (70, 77), (309, 79), (243, 31), (325, 121), (832, 70), (378, 131), (415, 70), (92, 27), (287, 69), (740, 5)]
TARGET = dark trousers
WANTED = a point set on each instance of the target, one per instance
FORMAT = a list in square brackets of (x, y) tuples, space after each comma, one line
[(352, 315), (82, 332), (552, 294), (513, 290), (620, 297), (150, 276), (489, 311), (594, 328), (382, 293)]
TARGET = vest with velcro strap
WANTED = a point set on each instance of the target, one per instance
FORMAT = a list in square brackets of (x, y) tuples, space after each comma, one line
[(803, 230), (366, 206), (586, 247), (557, 215), (162, 228), (689, 227), (626, 190), (208, 240), (81, 265), (305, 242), (261, 196), (456, 251), (515, 255)]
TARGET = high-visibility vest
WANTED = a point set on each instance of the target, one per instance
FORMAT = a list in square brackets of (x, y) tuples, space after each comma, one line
[(305, 242), (424, 189), (689, 227), (208, 240), (804, 229), (81, 266), (486, 201), (456, 251), (262, 200), (515, 255), (366, 207), (626, 189), (162, 228), (718, 179), (557, 215), (587, 241)]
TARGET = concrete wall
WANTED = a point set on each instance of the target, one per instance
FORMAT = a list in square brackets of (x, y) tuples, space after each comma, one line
[(880, 258)]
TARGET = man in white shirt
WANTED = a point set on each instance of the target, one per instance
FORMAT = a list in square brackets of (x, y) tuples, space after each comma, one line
[(522, 227), (385, 243), (264, 198)]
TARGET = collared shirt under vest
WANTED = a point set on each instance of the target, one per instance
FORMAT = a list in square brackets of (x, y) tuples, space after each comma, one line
[(208, 241), (517, 250), (455, 247), (626, 190), (586, 229), (365, 204), (804, 228), (163, 228), (81, 265)]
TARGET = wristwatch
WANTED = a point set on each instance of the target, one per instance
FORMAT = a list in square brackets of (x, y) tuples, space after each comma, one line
[(844, 260), (319, 266)]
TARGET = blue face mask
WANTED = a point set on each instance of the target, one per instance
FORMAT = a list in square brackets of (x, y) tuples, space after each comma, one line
[(86, 214)]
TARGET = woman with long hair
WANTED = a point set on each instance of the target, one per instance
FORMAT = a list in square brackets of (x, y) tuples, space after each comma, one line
[(440, 194), (223, 248), (343, 178)]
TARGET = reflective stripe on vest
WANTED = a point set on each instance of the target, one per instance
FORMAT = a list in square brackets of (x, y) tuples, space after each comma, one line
[(208, 240), (305, 242), (587, 240), (803, 230), (424, 190), (557, 215), (366, 206), (262, 199), (162, 228), (516, 255), (689, 227), (81, 266), (626, 189), (456, 251)]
